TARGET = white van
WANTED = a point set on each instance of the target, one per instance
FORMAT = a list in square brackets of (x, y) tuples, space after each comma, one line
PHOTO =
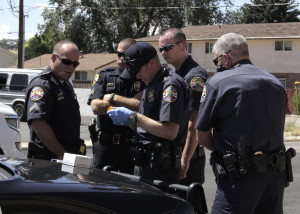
[(13, 83), (10, 139)]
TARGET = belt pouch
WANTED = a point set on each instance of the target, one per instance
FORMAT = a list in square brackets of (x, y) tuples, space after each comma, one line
[(259, 162)]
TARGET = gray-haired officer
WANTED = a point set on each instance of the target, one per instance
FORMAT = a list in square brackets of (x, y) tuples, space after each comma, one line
[(111, 146), (52, 108), (245, 107), (173, 48), (163, 115)]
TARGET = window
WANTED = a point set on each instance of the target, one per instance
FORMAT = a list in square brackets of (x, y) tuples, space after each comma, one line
[(283, 45), (3, 81), (189, 48), (208, 47), (18, 82), (80, 75), (283, 81)]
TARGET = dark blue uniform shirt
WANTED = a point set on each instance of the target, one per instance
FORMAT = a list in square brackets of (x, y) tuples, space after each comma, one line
[(109, 81), (195, 76), (165, 99), (244, 104), (50, 100)]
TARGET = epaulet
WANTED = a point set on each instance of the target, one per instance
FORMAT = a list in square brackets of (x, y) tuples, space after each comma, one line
[(109, 69), (45, 75)]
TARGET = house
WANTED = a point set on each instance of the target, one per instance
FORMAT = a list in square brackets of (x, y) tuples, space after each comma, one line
[(274, 47), (7, 58), (85, 72)]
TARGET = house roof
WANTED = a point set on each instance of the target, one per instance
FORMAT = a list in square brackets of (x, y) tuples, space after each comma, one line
[(249, 31), (88, 62)]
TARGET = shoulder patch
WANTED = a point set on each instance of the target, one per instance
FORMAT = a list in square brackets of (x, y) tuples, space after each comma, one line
[(95, 79), (170, 94), (197, 84), (203, 94), (36, 93)]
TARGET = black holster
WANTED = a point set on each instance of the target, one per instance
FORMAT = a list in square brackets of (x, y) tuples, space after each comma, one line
[(39, 151), (290, 153)]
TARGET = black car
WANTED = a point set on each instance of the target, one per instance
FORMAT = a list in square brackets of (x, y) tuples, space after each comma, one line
[(38, 186)]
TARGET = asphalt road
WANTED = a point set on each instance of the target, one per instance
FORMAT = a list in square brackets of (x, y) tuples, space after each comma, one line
[(291, 201)]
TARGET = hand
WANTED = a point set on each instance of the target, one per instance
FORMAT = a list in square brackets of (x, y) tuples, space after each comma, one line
[(120, 116), (184, 168)]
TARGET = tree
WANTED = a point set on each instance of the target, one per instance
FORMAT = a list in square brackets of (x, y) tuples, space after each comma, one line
[(270, 11), (98, 26)]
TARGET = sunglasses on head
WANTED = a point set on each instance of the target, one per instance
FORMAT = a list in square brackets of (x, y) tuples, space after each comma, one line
[(168, 47), (68, 62), (120, 54)]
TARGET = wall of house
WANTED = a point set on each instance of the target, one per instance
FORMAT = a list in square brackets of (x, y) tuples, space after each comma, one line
[(7, 60)]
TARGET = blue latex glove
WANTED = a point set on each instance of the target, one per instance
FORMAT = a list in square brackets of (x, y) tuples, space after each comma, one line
[(120, 116)]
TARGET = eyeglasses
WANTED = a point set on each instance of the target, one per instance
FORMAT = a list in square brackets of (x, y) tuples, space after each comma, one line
[(215, 61), (68, 62), (120, 54), (168, 47)]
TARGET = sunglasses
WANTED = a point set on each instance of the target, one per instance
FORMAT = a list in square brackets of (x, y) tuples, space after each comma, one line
[(215, 60), (120, 54), (68, 62), (133, 62), (168, 47)]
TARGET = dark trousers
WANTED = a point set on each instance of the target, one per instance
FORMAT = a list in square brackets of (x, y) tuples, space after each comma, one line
[(155, 171), (195, 172), (116, 155), (254, 193)]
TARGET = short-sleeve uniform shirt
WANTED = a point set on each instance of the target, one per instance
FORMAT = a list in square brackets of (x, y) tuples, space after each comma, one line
[(165, 99), (54, 101), (109, 81), (195, 77), (243, 104)]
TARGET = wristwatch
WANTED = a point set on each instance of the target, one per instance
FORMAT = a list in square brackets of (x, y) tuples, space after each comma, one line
[(133, 120), (111, 98)]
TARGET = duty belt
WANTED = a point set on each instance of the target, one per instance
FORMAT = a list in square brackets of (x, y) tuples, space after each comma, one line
[(115, 138)]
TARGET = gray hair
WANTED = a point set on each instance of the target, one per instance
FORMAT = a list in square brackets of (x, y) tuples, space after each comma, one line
[(234, 43)]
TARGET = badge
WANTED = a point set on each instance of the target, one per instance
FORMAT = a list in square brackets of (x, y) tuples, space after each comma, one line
[(35, 106), (137, 86), (151, 95), (170, 94), (60, 96), (197, 84), (203, 94), (36, 94), (95, 79)]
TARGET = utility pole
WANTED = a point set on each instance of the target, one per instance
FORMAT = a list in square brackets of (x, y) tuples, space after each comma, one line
[(21, 36)]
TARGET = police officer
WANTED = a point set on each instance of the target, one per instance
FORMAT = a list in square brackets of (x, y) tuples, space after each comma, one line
[(111, 148), (245, 107), (161, 124), (52, 108), (173, 48)]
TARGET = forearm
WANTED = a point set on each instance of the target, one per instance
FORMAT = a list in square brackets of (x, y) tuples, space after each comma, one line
[(167, 130), (47, 136), (205, 139), (99, 106), (190, 144), (118, 100)]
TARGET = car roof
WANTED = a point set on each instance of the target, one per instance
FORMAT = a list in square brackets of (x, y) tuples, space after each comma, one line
[(20, 70)]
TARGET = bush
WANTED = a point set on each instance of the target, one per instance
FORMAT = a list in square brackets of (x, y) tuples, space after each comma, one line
[(296, 101)]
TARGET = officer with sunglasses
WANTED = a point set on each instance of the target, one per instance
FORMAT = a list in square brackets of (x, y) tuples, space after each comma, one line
[(241, 119), (112, 143), (161, 123), (173, 48), (52, 108)]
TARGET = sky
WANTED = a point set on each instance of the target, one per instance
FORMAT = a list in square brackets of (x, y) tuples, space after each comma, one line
[(9, 22)]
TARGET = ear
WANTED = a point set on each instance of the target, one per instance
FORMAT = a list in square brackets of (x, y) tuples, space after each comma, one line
[(53, 57), (227, 58), (184, 44)]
